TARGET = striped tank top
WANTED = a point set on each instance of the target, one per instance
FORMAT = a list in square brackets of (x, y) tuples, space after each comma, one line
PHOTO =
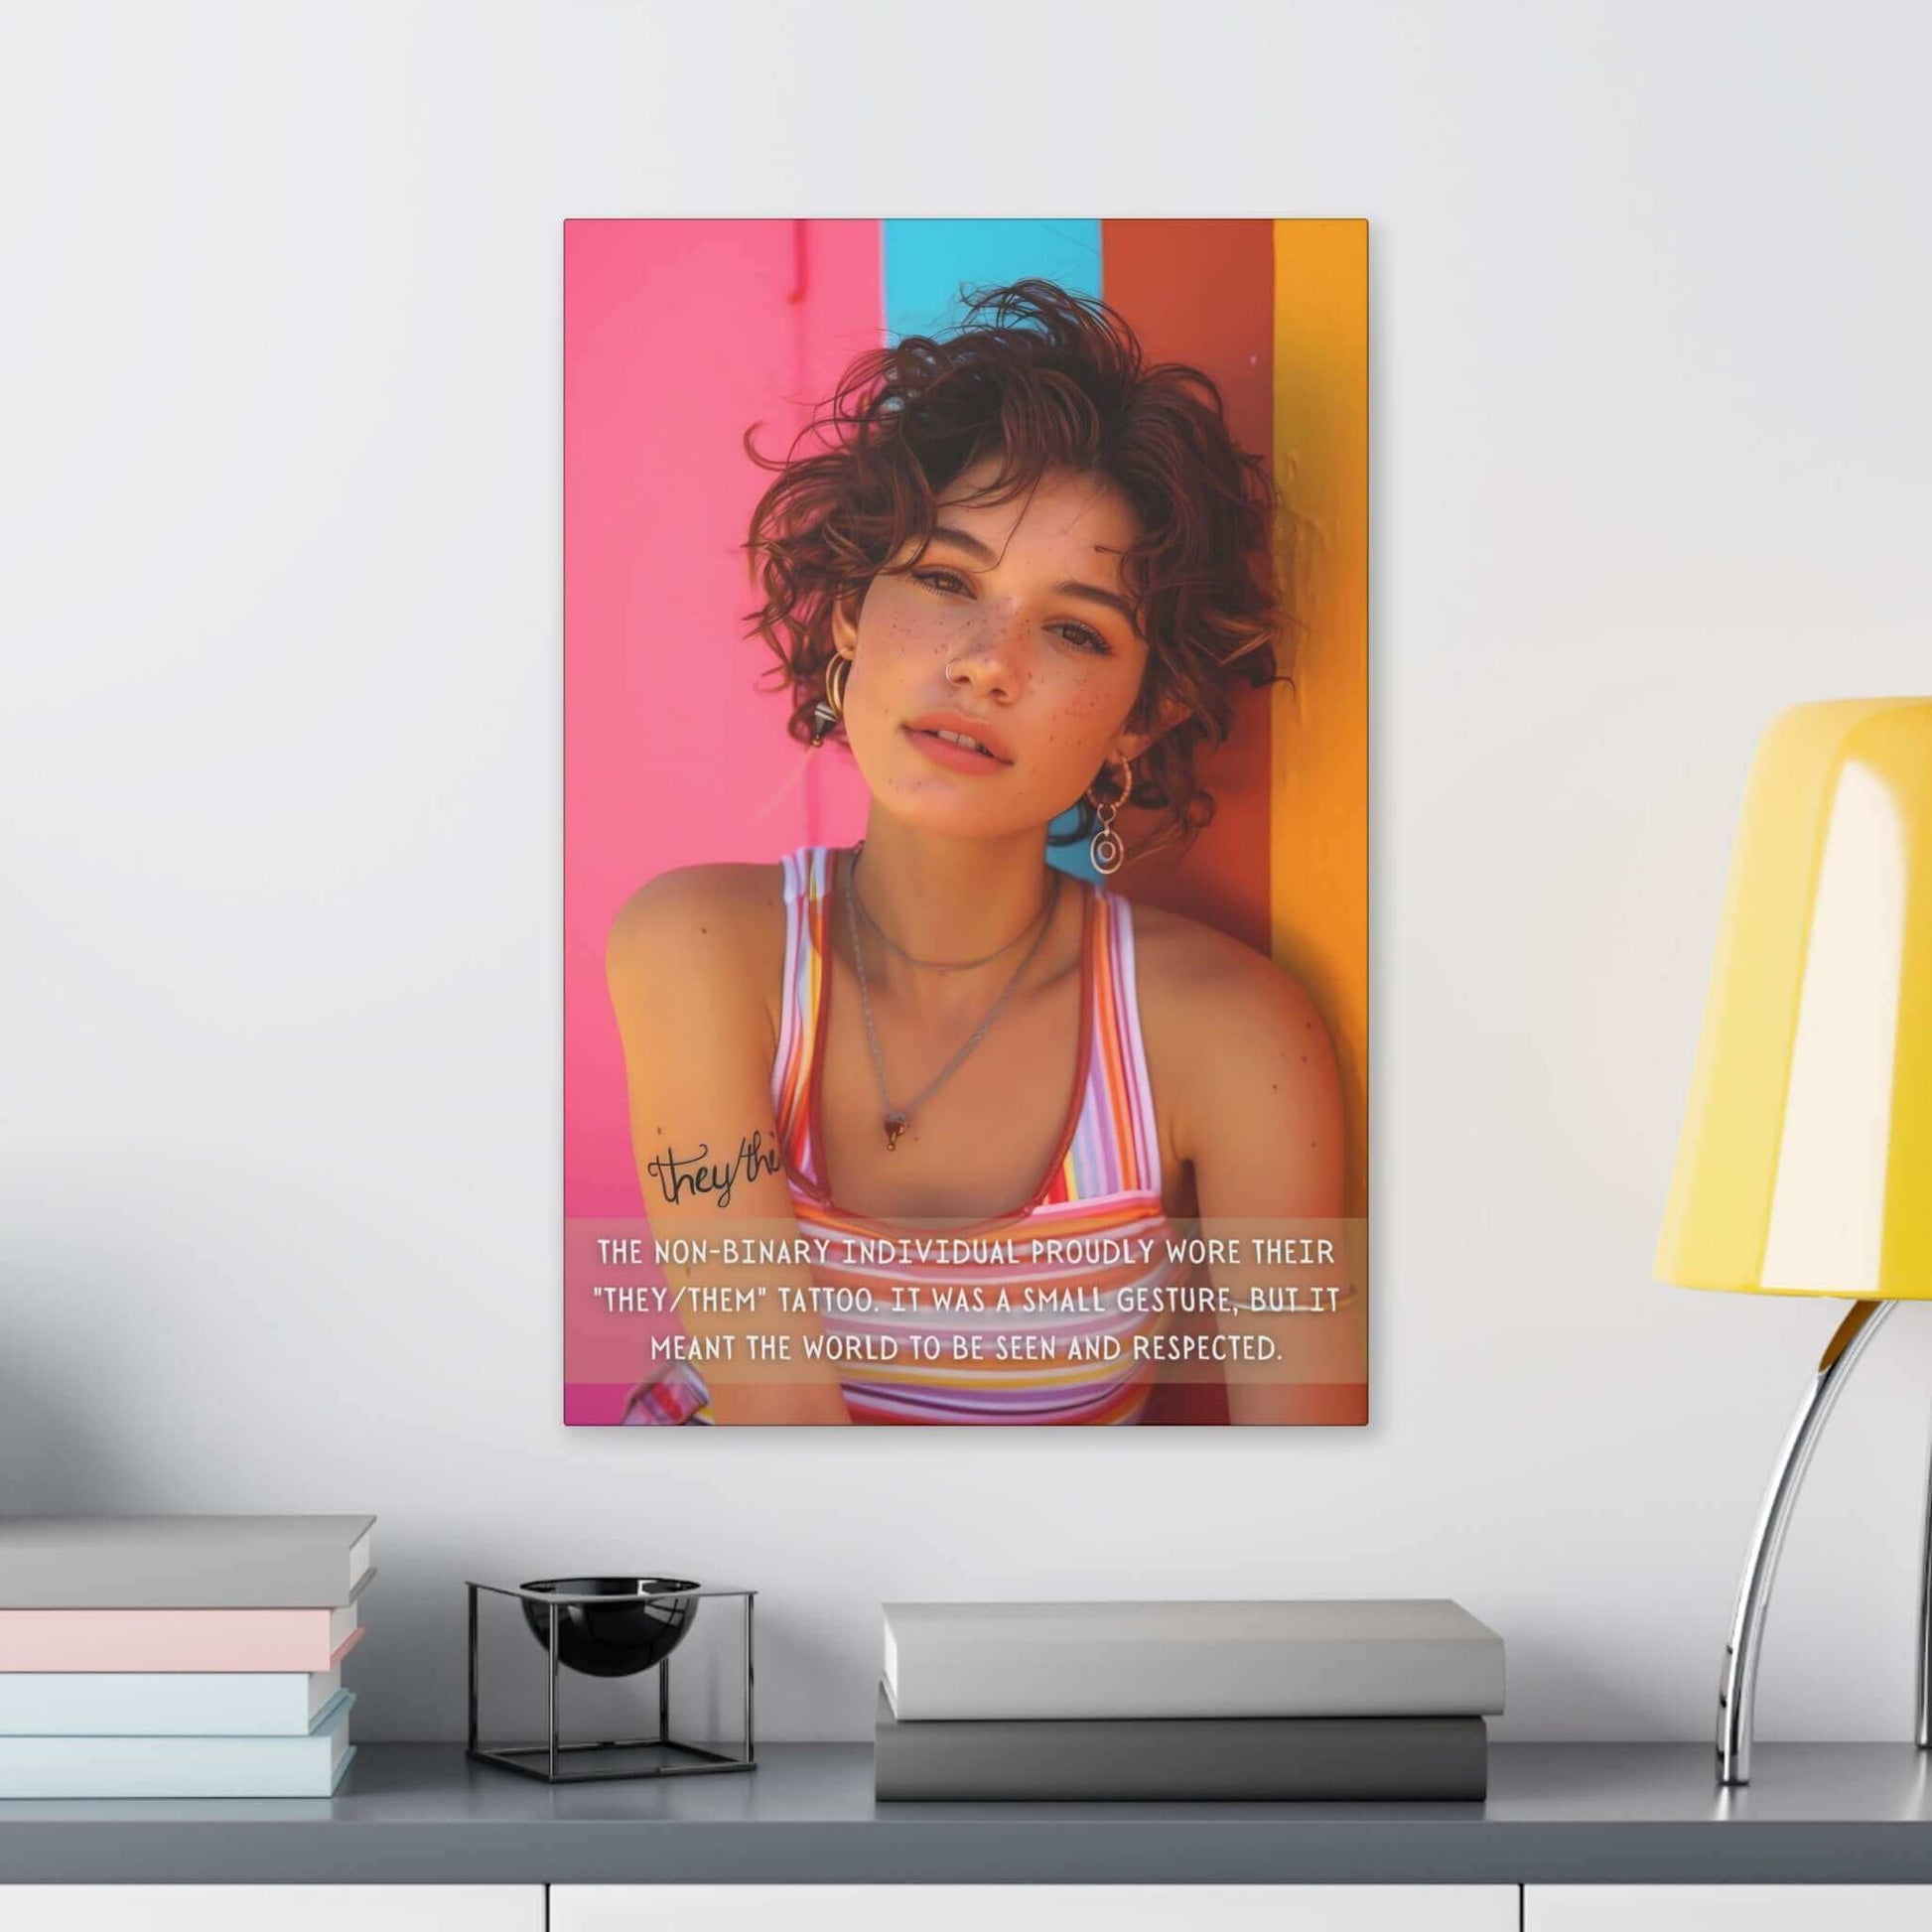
[(1034, 1316)]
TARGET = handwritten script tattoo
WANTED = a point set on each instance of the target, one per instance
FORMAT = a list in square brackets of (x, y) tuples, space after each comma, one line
[(697, 1173)]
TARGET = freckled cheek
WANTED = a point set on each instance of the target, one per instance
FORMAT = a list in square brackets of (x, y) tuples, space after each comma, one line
[(1090, 707), (1079, 721), (918, 632), (894, 648)]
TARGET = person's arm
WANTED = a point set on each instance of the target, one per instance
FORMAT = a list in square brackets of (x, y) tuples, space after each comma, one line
[(1262, 1123), (697, 1049)]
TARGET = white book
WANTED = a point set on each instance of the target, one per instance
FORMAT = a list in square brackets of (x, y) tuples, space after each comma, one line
[(165, 1704), (181, 1767), (1403, 1657), (182, 1562)]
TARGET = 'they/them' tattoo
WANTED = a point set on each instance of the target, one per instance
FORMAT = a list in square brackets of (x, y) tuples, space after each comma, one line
[(698, 1175)]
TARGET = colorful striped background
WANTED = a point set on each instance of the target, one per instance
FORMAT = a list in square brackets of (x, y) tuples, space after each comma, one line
[(677, 337)]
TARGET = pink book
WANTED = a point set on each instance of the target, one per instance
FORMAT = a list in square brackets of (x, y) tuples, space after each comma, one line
[(163, 1640)]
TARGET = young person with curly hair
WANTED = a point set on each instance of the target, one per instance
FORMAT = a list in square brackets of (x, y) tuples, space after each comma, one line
[(1017, 570)]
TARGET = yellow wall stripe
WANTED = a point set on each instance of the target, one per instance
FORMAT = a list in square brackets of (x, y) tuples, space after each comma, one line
[(1318, 864)]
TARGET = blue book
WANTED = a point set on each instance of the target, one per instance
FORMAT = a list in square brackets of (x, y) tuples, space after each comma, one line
[(181, 1768), (165, 1704)]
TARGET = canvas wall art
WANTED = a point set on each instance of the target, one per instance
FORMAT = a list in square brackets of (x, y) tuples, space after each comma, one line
[(966, 791)]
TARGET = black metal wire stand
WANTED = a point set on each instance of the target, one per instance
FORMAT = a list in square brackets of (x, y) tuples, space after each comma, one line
[(555, 1763)]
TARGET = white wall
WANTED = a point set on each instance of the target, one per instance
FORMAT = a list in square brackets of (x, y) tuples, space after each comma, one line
[(279, 782)]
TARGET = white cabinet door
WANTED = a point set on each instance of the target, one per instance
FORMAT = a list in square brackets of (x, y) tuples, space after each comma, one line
[(1727, 1908), (271, 1908), (1035, 1908)]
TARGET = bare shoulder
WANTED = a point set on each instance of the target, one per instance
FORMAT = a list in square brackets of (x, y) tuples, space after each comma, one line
[(691, 903), (1198, 983), (717, 927), (1228, 1033)]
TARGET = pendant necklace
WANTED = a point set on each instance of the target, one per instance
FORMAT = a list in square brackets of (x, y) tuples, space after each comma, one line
[(897, 1118)]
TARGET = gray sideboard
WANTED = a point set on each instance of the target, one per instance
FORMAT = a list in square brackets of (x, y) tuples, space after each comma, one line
[(1557, 1814)]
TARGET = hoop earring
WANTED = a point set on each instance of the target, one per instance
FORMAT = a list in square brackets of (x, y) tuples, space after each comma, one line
[(830, 709), (1106, 851)]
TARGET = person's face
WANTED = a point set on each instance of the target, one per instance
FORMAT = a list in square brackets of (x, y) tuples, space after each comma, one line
[(1013, 628)]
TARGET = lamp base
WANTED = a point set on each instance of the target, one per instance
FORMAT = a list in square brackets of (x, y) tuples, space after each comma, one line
[(1737, 1688)]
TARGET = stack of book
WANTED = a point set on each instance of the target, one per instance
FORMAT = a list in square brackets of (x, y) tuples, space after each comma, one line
[(178, 1656), (1308, 1699)]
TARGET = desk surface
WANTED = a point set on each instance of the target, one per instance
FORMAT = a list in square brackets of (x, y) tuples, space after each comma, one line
[(1576, 1814)]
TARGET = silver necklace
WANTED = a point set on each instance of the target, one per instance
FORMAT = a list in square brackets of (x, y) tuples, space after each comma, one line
[(885, 938), (897, 1118)]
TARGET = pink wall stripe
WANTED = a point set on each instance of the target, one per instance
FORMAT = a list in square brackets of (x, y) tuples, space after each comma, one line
[(679, 336)]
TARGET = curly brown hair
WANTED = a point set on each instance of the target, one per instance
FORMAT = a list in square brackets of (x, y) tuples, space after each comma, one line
[(1044, 380)]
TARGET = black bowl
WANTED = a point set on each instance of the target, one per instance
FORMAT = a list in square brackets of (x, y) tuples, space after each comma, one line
[(617, 1638)]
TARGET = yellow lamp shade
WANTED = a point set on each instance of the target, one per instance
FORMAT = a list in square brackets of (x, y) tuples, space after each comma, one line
[(1806, 1161)]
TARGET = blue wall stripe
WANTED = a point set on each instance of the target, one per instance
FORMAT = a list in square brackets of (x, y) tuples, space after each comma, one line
[(927, 261)]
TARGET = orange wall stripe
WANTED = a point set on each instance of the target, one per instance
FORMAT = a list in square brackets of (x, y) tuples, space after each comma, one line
[(1202, 292)]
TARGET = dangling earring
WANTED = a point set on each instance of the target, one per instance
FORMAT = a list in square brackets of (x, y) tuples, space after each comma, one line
[(1107, 852), (830, 709)]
